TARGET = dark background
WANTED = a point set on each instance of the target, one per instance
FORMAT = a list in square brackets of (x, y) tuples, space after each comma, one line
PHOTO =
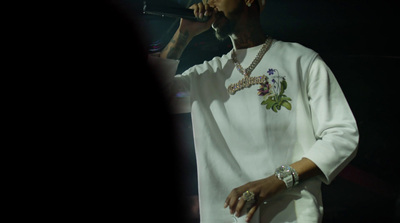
[(359, 42)]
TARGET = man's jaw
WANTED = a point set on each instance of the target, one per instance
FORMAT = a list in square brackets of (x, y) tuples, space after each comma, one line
[(222, 26), (218, 20)]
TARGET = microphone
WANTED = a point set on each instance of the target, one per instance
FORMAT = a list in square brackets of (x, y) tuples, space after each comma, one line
[(172, 12)]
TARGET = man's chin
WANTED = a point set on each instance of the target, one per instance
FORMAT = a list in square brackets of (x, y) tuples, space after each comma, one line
[(222, 27), (220, 36)]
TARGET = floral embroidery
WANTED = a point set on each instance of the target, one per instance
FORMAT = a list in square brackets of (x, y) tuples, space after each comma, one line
[(271, 71), (264, 89), (274, 97)]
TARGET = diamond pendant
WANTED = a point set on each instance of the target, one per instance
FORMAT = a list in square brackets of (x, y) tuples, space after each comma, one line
[(246, 82)]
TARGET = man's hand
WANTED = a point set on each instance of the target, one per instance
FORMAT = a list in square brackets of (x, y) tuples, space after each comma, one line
[(266, 188), (187, 30), (200, 10), (263, 189)]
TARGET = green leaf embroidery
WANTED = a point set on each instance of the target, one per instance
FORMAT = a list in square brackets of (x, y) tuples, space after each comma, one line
[(287, 105), (271, 99), (283, 87)]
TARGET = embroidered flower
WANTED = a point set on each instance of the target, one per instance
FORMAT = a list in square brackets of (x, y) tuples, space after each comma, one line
[(264, 89), (274, 98), (271, 71)]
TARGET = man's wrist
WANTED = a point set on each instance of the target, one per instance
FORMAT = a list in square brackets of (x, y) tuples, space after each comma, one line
[(288, 175), (185, 35), (177, 45)]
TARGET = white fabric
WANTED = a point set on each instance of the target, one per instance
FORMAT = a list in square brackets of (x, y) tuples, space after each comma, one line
[(237, 140)]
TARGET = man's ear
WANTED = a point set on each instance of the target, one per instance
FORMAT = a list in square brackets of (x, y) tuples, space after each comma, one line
[(249, 2)]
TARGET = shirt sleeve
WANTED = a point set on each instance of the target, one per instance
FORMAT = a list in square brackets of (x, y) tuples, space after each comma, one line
[(176, 87), (334, 125)]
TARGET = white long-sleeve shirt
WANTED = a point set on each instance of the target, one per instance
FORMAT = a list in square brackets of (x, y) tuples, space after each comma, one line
[(238, 140)]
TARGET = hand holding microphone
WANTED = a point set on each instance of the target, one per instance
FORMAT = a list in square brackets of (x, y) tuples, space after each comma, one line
[(203, 13), (199, 20), (200, 12)]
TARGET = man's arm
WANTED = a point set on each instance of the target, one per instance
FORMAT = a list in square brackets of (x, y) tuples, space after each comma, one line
[(177, 45), (268, 187), (187, 30)]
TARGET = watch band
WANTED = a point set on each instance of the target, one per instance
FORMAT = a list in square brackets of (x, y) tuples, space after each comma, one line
[(295, 176), (288, 175)]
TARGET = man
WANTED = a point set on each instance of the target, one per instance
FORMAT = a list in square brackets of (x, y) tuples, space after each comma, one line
[(269, 118)]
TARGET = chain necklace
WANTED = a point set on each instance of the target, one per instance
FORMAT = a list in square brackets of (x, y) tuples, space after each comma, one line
[(248, 81)]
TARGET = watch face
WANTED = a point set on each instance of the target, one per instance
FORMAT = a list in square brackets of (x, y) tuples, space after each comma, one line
[(283, 171)]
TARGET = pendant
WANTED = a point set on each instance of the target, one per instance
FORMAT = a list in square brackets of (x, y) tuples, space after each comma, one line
[(246, 82)]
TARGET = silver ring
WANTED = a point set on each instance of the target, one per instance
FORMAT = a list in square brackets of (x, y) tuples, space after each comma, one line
[(248, 196)]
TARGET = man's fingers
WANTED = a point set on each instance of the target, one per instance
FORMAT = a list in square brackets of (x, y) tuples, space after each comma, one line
[(232, 204), (232, 200), (240, 204), (201, 10), (195, 9), (251, 212), (208, 10)]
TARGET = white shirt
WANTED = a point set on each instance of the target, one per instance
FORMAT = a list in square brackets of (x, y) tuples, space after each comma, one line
[(238, 140)]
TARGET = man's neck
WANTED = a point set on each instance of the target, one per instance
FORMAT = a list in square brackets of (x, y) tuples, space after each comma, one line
[(249, 35)]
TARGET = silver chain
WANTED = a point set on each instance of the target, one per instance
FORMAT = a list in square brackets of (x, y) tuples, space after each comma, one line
[(247, 71)]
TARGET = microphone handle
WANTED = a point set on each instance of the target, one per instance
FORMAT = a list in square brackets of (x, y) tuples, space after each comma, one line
[(173, 13)]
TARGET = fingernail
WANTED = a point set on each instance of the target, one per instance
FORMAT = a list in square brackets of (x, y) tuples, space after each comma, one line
[(206, 13), (247, 219), (225, 205)]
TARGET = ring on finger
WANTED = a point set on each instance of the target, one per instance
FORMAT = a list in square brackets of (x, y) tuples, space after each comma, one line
[(248, 196)]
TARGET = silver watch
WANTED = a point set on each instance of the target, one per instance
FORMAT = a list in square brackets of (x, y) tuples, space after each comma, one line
[(285, 173)]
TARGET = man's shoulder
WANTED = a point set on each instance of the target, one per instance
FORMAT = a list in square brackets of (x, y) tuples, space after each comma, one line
[(218, 60), (292, 49), (292, 53), (209, 65)]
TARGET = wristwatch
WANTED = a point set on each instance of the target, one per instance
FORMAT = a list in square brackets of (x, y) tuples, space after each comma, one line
[(285, 173)]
